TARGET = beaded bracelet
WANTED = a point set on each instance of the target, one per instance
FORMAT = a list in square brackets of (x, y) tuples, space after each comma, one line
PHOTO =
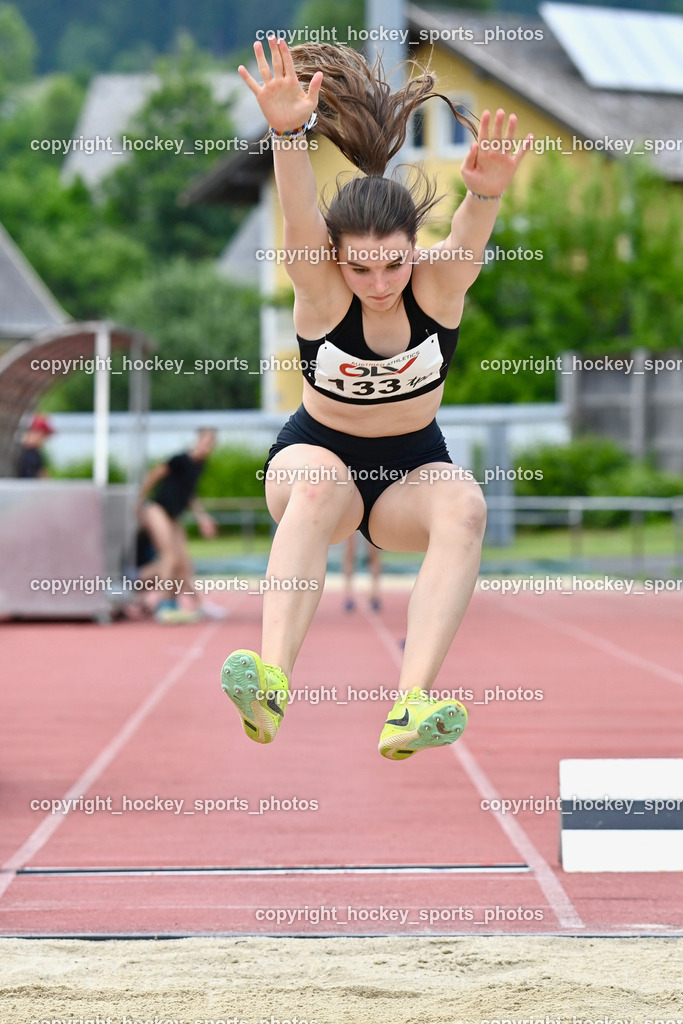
[(487, 198), (295, 133)]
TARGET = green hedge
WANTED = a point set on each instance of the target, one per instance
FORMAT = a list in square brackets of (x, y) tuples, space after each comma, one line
[(595, 467), (82, 470), (578, 468), (231, 473)]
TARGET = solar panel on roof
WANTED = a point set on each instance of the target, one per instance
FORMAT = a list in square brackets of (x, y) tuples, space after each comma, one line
[(619, 49)]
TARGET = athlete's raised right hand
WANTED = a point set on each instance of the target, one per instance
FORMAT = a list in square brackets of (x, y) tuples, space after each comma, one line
[(282, 100)]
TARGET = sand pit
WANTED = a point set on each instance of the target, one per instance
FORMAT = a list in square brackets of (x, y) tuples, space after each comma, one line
[(343, 981)]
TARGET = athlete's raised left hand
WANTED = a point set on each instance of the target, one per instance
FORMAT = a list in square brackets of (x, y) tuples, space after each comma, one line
[(491, 163), (283, 102)]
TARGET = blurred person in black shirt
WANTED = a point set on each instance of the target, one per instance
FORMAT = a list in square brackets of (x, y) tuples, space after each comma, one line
[(31, 461), (167, 492)]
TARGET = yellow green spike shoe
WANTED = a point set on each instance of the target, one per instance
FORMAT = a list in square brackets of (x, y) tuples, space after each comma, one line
[(259, 692), (418, 721)]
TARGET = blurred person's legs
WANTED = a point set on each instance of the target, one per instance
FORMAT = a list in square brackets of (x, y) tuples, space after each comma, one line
[(170, 572), (188, 591), (184, 569), (349, 565), (168, 547), (375, 567)]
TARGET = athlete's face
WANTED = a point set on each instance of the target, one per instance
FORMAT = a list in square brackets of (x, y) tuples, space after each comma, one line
[(376, 269)]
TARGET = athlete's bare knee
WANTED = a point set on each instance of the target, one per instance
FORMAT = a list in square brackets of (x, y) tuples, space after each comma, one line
[(325, 497), (474, 510), (305, 479), (461, 508)]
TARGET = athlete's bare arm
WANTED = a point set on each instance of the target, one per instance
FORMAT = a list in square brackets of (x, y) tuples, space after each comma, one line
[(439, 284), (319, 290)]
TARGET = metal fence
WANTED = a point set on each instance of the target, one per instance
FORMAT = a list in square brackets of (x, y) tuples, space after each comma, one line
[(568, 512), (571, 511)]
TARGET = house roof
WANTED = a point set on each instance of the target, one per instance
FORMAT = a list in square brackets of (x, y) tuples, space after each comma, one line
[(111, 103), (617, 48), (238, 261), (236, 179), (26, 303), (539, 70)]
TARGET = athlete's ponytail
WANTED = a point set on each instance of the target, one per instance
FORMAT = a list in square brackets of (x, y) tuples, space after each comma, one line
[(368, 122), (357, 110)]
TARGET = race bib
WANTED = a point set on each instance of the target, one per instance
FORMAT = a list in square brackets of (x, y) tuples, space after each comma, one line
[(346, 376)]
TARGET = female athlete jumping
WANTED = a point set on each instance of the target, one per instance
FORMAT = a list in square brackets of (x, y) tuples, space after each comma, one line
[(377, 322)]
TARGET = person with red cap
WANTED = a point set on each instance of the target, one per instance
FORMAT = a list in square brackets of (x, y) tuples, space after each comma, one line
[(31, 461)]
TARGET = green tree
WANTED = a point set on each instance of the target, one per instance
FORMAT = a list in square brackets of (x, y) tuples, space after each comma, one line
[(140, 57), (143, 194), (86, 250), (47, 111), (82, 48), (17, 47), (194, 315), (338, 14), (590, 261), (63, 234)]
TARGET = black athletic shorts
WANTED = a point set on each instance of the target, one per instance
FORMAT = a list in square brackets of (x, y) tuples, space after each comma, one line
[(374, 463)]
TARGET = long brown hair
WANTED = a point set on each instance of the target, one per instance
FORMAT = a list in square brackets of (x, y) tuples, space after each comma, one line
[(367, 121), (357, 109)]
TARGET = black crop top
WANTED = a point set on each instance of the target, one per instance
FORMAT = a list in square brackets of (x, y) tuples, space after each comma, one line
[(343, 367)]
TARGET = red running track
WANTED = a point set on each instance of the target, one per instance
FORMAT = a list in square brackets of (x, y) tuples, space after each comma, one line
[(317, 834)]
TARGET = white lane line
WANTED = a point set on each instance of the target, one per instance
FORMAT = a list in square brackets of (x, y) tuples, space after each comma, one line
[(49, 825), (606, 646), (562, 907)]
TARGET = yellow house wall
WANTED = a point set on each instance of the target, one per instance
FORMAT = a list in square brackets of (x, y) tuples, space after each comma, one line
[(455, 77)]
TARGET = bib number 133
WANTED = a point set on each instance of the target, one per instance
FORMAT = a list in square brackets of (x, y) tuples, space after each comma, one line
[(367, 387)]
